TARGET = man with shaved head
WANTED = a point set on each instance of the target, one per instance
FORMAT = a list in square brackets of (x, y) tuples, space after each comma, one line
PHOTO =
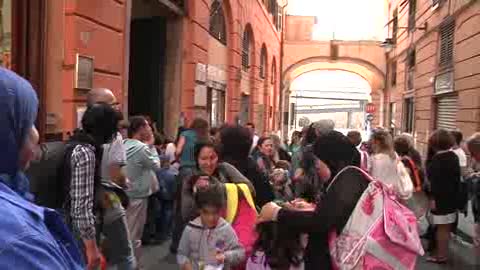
[(118, 249)]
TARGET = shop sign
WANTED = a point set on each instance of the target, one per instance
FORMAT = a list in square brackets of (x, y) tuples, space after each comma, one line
[(84, 68)]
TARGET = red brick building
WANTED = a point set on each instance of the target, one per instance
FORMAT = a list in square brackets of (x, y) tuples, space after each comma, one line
[(434, 67), (170, 59), (232, 49)]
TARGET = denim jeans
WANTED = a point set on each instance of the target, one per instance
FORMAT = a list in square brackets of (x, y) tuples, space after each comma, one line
[(164, 219)]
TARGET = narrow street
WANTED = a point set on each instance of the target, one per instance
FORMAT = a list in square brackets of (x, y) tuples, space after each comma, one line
[(158, 257)]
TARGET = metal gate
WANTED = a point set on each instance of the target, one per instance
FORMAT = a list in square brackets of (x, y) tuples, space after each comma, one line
[(446, 115)]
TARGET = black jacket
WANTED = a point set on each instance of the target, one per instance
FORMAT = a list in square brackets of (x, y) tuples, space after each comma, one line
[(332, 214)]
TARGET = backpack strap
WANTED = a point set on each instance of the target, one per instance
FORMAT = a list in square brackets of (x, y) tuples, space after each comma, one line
[(232, 202), (367, 176), (416, 173)]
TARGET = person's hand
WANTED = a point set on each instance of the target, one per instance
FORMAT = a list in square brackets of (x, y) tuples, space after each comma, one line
[(202, 182), (433, 205), (268, 213), (187, 266), (92, 253), (220, 257), (303, 205)]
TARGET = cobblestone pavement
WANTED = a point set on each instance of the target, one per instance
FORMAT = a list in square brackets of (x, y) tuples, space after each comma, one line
[(463, 257)]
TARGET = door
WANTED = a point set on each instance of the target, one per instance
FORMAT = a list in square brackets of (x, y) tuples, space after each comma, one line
[(147, 68), (244, 109), (23, 31)]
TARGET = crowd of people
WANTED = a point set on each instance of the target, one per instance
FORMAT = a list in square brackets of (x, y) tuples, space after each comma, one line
[(225, 197)]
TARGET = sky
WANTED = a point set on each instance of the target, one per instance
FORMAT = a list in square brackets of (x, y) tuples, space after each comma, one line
[(344, 19)]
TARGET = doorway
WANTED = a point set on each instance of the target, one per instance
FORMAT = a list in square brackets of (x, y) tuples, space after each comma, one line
[(147, 63)]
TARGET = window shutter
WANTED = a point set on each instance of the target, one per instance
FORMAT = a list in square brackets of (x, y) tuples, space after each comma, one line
[(447, 32), (246, 50), (447, 112), (394, 73)]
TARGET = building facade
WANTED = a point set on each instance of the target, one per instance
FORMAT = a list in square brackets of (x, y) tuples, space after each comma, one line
[(433, 67), (172, 60), (232, 50)]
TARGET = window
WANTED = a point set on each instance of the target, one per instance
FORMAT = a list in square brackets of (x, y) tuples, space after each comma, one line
[(447, 32), (412, 12), (409, 111), (446, 112), (395, 26), (263, 62), (246, 49), (274, 72), (411, 61), (217, 22), (393, 73), (216, 107)]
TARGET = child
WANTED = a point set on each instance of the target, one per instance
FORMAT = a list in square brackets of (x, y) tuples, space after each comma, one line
[(278, 248), (166, 177), (281, 185), (209, 242)]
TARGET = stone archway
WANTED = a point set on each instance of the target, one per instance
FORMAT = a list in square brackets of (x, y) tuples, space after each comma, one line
[(372, 74)]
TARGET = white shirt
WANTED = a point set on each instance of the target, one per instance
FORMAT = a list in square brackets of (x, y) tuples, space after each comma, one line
[(113, 153), (462, 157), (254, 142)]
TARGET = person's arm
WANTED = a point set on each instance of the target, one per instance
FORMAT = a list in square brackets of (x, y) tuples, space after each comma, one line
[(82, 200), (235, 176), (183, 251), (150, 158), (35, 252), (234, 253), (180, 145), (335, 209)]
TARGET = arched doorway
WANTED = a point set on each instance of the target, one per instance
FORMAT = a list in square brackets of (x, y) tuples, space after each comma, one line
[(329, 94)]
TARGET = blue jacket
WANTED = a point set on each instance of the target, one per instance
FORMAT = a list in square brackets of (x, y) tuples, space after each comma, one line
[(33, 237)]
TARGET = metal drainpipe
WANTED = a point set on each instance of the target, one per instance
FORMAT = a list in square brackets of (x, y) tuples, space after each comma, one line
[(282, 43)]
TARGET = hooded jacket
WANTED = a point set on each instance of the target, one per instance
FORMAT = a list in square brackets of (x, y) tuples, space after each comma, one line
[(142, 162), (199, 245), (31, 237)]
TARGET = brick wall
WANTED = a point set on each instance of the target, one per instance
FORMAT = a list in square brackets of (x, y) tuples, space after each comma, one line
[(239, 14), (93, 28), (466, 63)]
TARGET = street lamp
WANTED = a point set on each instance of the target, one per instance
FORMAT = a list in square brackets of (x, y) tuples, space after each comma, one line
[(388, 45)]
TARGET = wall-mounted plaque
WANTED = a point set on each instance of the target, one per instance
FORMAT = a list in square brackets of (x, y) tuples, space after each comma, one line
[(84, 72)]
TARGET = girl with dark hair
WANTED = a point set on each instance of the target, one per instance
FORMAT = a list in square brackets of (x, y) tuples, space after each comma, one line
[(443, 171), (235, 149), (264, 156), (276, 248), (185, 153)]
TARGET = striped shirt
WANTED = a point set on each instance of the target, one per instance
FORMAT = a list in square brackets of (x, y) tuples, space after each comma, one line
[(82, 191)]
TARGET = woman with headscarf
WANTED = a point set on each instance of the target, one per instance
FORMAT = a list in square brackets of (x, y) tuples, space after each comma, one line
[(32, 237), (335, 151), (235, 149)]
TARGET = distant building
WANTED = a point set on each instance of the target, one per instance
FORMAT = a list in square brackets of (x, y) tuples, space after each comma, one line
[(433, 68)]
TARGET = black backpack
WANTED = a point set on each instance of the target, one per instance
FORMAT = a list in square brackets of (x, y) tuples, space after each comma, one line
[(45, 182), (50, 175)]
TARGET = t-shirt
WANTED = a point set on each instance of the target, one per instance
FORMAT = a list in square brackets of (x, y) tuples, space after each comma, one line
[(113, 153), (462, 157)]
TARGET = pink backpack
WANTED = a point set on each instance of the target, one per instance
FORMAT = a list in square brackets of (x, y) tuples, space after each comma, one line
[(381, 233)]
